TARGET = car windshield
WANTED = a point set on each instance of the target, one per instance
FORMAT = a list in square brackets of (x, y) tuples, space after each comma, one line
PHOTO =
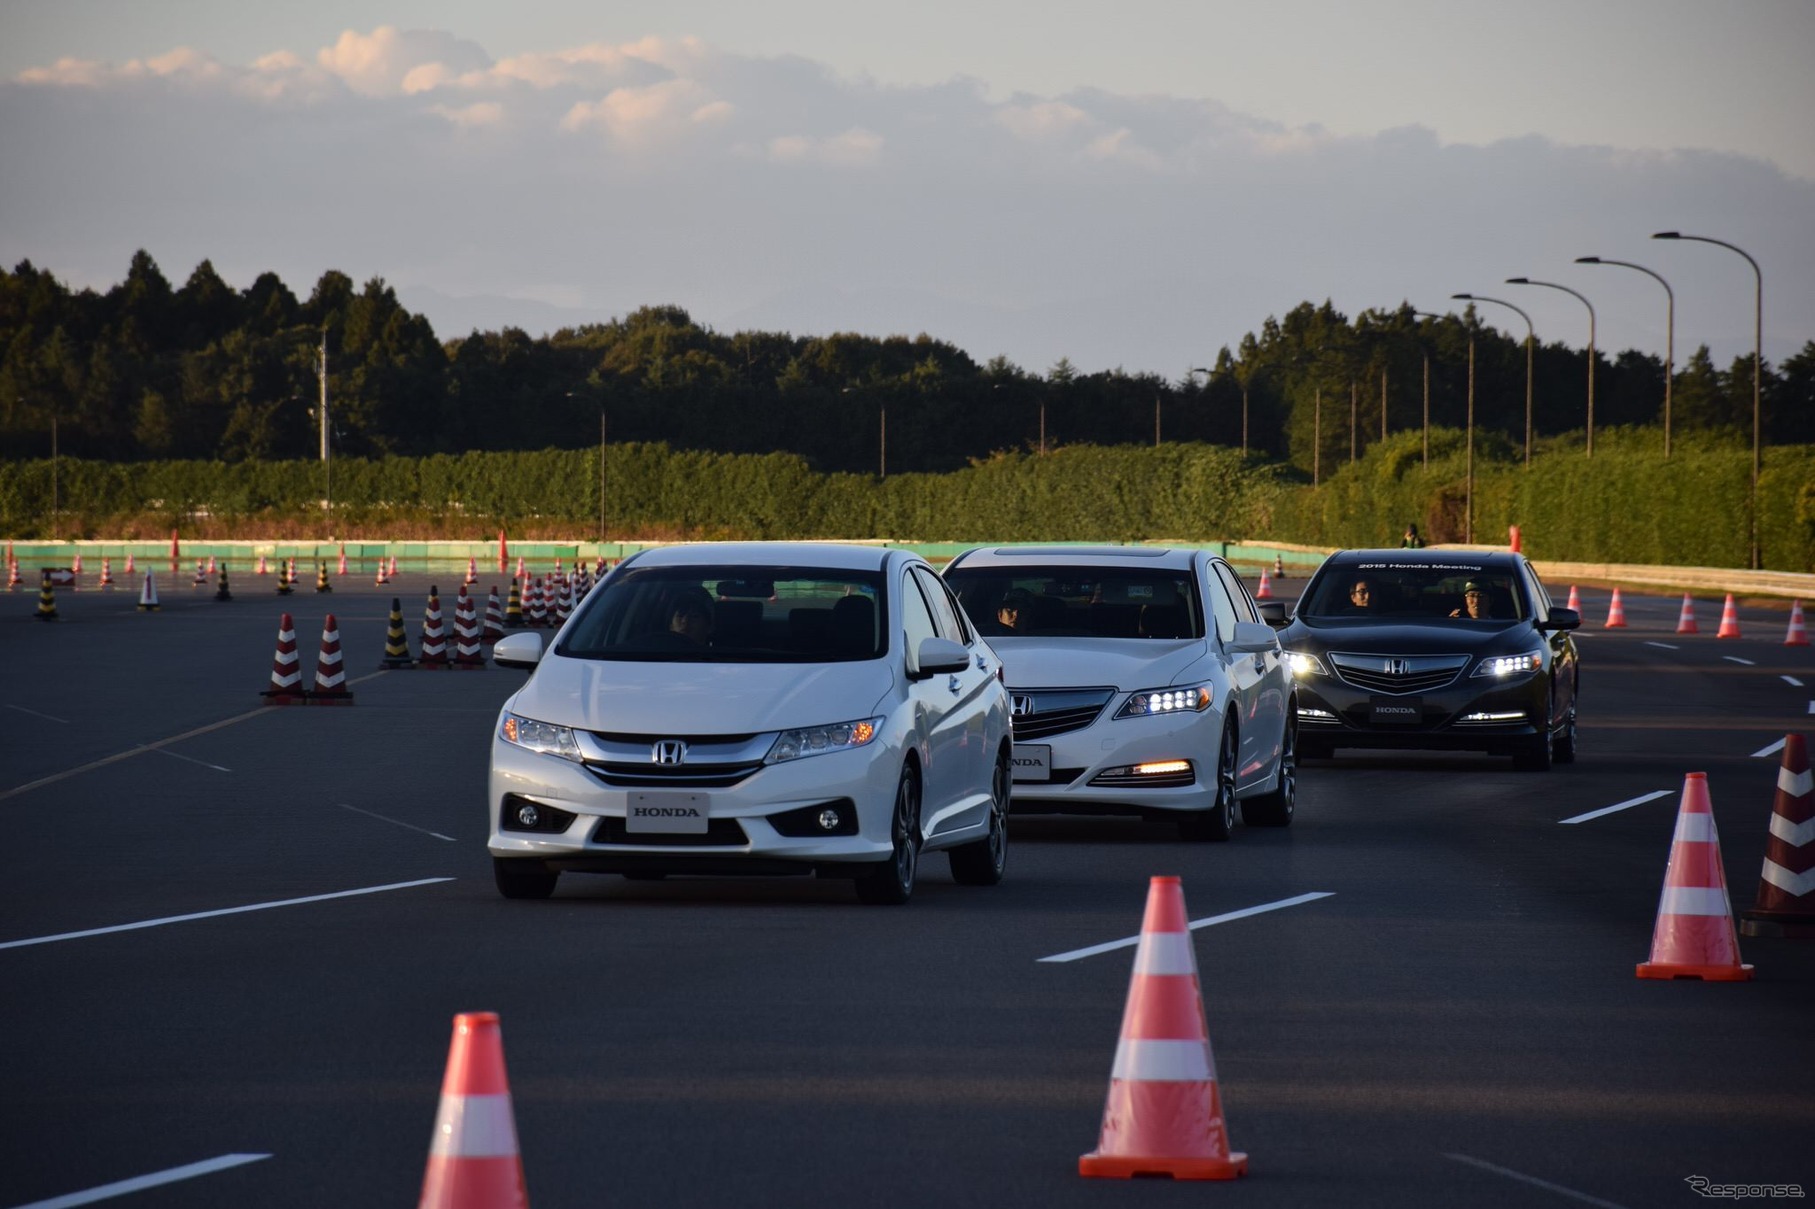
[(1402, 592), (723, 614), (1084, 602)]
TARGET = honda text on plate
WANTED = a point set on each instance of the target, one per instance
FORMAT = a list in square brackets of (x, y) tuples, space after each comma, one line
[(1434, 648), (754, 708), (1144, 682)]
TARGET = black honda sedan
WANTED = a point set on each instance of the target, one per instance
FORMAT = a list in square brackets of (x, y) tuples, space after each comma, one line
[(1434, 649)]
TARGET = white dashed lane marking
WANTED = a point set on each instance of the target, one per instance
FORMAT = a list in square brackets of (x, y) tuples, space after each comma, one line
[(1768, 751), (397, 822), (155, 1180), (1627, 804), (1534, 1181), (1131, 941), (34, 713)]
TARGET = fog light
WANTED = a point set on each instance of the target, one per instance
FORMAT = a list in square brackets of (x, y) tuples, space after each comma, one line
[(828, 820), (528, 815)]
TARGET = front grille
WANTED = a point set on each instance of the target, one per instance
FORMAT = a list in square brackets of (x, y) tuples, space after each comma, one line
[(672, 776), (1398, 674), (719, 833), (1057, 711)]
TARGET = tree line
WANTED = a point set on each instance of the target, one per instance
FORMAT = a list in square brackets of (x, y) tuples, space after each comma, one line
[(150, 371)]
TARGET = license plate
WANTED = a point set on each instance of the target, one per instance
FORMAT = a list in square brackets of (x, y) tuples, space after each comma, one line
[(1033, 762), (1395, 711), (666, 814)]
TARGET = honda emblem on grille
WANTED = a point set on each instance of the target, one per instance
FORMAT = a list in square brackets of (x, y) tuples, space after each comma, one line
[(668, 751), (1021, 706), (1397, 667)]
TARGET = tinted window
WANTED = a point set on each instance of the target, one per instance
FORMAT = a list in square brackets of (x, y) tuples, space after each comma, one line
[(916, 617), (1083, 602), (1412, 592), (945, 615), (1238, 593), (1224, 609)]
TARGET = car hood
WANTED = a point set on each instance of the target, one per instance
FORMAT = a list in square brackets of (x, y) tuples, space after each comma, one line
[(1404, 638), (1127, 664), (668, 698)]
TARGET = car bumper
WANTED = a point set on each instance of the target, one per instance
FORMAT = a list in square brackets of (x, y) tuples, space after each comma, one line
[(1466, 715), (1083, 763)]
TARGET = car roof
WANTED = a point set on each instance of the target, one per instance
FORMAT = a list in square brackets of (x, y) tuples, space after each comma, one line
[(834, 556), (1006, 557)]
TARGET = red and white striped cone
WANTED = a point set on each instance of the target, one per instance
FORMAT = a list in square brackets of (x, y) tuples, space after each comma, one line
[(201, 574), (557, 573), (1796, 635), (13, 581), (1694, 937), (1265, 590), (1785, 905), (433, 656), (130, 570), (1575, 599), (538, 604), (212, 569), (380, 579), (106, 581), (520, 573), (1685, 622), (341, 569), (262, 569), (598, 569), (1616, 613), (148, 595), (1164, 1114), (494, 621), (503, 553), (472, 570), (1729, 620), (474, 1162), (564, 600), (330, 673), (75, 566), (286, 670), (392, 573), (468, 653)]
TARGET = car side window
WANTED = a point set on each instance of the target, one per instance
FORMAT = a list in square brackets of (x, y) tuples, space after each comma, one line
[(1223, 608), (1238, 593), (916, 618), (1534, 587), (945, 614)]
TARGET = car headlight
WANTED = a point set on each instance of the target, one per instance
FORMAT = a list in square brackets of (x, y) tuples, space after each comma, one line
[(1193, 699), (543, 737), (1505, 666), (818, 740), (1303, 664)]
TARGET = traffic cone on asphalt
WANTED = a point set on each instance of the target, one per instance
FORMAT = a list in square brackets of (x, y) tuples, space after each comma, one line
[(1616, 613), (106, 581), (474, 1162), (286, 577), (1785, 905), (472, 570), (129, 571), (1796, 635), (1575, 599), (201, 574), (1164, 1115), (321, 579), (176, 553), (1279, 566), (1729, 620), (1265, 591), (392, 573), (286, 670), (434, 640), (330, 675), (13, 581), (494, 621), (564, 599), (468, 653), (262, 570), (503, 553), (222, 592), (396, 644), (538, 607), (513, 608), (148, 595), (211, 567), (47, 600), (342, 568), (520, 574), (75, 568), (1685, 623), (1694, 936), (380, 580)]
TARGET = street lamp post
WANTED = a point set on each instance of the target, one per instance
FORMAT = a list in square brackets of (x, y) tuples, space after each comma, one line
[(1354, 415), (1669, 330), (1425, 350), (1583, 299), (327, 457), (1758, 360), (1528, 343), (882, 430)]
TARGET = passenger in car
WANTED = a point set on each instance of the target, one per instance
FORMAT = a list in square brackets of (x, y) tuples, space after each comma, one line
[(1361, 596), (691, 616)]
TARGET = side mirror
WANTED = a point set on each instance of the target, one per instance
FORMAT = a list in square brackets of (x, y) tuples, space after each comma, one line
[(1561, 619), (521, 651), (1273, 612), (1252, 637), (935, 655)]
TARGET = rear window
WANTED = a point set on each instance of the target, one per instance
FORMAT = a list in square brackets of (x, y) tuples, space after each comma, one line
[(709, 614), (1408, 592), (1080, 602)]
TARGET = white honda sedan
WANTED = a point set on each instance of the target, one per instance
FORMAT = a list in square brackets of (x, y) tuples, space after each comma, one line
[(754, 708), (1143, 681)]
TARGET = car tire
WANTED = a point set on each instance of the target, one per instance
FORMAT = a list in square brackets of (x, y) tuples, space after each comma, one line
[(981, 862), (523, 877), (1217, 824), (1563, 747), (1275, 809), (891, 882)]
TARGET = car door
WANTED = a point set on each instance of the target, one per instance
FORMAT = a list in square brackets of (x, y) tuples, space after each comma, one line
[(933, 704), (963, 738), (1267, 715), (1244, 677), (1562, 647)]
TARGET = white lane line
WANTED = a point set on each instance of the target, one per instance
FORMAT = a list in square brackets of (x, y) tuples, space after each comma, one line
[(1535, 1182), (398, 822), (15, 791), (154, 1180), (1792, 681), (1630, 802), (1768, 751), (1737, 659), (65, 721), (183, 919), (177, 755), (1128, 942), (1667, 646)]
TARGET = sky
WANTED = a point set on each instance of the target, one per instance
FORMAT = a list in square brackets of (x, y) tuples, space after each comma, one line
[(1129, 185)]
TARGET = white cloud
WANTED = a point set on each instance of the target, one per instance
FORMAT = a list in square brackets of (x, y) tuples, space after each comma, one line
[(852, 149), (480, 114), (381, 62), (645, 116), (1043, 121)]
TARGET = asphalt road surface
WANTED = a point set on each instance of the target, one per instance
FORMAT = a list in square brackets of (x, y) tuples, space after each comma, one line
[(233, 939)]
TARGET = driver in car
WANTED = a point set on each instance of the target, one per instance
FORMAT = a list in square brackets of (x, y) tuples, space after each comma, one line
[(1475, 601)]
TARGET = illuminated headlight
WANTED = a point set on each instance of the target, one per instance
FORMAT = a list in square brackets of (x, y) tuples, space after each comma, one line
[(1193, 699), (818, 740), (1303, 664), (1502, 666), (543, 737)]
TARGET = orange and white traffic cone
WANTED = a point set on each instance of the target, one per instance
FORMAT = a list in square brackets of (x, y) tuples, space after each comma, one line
[(472, 570), (474, 1162), (130, 569), (330, 673), (1729, 620), (212, 569), (201, 574), (13, 581), (341, 569), (468, 653), (1164, 1114), (148, 595), (286, 671), (433, 655), (262, 569), (1796, 635), (1785, 905), (503, 552), (494, 621), (380, 579), (106, 580), (520, 573), (392, 573), (75, 567), (1616, 613), (1265, 590), (1685, 622), (1694, 936), (1575, 599)]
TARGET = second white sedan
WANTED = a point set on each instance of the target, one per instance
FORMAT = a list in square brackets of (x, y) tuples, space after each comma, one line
[(1143, 681)]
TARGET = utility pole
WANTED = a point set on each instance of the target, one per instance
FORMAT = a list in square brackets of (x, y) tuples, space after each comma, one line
[(327, 462)]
